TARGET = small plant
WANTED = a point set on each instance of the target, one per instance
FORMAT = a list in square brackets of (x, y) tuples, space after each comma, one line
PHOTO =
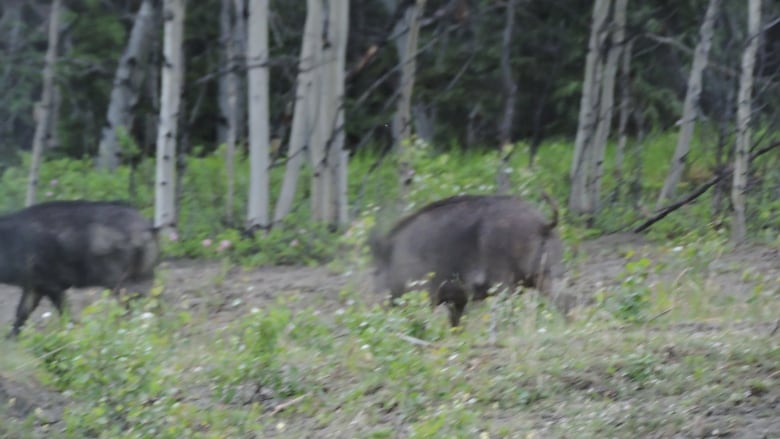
[(631, 300), (254, 359)]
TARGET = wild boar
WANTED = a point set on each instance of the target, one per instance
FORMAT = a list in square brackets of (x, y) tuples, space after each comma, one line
[(50, 247), (469, 243)]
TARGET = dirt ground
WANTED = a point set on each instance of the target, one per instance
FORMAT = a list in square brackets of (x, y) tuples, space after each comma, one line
[(224, 294)]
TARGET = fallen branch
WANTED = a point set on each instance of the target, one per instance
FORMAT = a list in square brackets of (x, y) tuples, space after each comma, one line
[(414, 340), (661, 214), (659, 315), (287, 404)]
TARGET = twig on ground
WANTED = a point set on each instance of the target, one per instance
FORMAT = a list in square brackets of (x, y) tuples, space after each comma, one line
[(288, 404), (659, 315), (414, 340)]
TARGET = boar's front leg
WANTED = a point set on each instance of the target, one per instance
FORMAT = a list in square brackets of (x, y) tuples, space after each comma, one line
[(27, 304), (452, 293)]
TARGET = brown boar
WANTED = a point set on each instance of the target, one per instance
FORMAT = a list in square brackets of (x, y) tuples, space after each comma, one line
[(469, 243)]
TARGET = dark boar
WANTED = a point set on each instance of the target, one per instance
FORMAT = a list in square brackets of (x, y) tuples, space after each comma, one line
[(469, 243), (50, 247)]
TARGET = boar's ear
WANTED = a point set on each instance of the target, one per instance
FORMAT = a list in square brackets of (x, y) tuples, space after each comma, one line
[(554, 207)]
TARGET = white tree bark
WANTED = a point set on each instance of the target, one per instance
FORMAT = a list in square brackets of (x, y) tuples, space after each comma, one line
[(170, 98), (328, 165), (305, 107), (579, 202), (127, 83), (259, 130), (42, 128), (323, 120), (606, 105), (336, 211), (744, 114), (691, 104)]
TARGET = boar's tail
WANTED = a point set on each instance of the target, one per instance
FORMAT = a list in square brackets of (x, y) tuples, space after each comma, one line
[(554, 206)]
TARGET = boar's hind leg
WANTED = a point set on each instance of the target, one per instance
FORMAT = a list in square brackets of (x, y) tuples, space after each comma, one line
[(57, 298), (27, 304)]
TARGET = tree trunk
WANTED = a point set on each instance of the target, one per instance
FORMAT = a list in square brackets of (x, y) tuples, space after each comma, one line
[(42, 130), (424, 121), (407, 56), (172, 75), (744, 113), (323, 118), (259, 130), (232, 84), (338, 157), (578, 198), (328, 158), (239, 38), (510, 89), (127, 83), (606, 105), (303, 120), (624, 80), (225, 40), (691, 104)]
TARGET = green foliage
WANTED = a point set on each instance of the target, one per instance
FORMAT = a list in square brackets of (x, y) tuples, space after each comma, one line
[(631, 301), (114, 363), (255, 350)]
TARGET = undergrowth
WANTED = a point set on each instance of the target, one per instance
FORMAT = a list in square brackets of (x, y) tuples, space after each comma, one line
[(206, 230), (369, 371)]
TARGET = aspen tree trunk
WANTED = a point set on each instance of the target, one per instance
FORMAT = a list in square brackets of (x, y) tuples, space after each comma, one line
[(259, 129), (305, 107), (42, 130), (606, 105), (172, 75), (232, 84), (338, 157), (744, 113), (579, 201), (127, 83), (323, 102), (407, 48), (327, 158), (625, 110), (691, 103), (239, 38), (510, 89), (225, 39)]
